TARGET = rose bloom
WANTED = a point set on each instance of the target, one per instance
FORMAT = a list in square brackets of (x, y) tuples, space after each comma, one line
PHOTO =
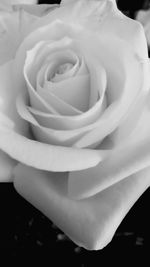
[(144, 17), (74, 113)]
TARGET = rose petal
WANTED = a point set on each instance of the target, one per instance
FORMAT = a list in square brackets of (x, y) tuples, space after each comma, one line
[(128, 158), (62, 107), (6, 163), (8, 29), (126, 29), (14, 26), (63, 58), (8, 94), (137, 112), (6, 167), (121, 163), (124, 83), (80, 12), (83, 122), (37, 101), (100, 16), (47, 135), (90, 223), (47, 157), (74, 91), (98, 81), (37, 10)]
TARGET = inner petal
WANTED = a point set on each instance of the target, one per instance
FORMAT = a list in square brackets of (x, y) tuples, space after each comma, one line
[(74, 91), (61, 106), (44, 53), (63, 63), (61, 71), (61, 79)]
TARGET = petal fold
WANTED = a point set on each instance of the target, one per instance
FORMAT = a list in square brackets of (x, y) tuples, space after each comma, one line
[(90, 223), (47, 157)]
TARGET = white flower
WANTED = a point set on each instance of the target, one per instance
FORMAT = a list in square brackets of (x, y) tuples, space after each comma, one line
[(74, 132)]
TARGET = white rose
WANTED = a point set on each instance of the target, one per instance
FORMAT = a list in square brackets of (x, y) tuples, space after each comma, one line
[(74, 133)]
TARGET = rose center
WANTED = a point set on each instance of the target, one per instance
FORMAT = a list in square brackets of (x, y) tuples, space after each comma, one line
[(62, 69)]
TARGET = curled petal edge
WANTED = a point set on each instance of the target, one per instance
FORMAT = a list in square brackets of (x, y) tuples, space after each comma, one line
[(47, 157)]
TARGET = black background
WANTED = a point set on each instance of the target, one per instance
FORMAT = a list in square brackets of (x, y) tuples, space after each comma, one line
[(26, 235)]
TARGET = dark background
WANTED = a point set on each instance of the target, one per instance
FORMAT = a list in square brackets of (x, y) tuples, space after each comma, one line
[(27, 236)]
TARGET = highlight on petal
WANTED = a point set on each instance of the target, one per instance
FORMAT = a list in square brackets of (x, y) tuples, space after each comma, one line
[(47, 157), (90, 223)]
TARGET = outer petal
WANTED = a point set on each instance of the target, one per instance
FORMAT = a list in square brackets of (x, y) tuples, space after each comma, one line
[(6, 167), (47, 157), (8, 94), (15, 24), (6, 163), (36, 10), (90, 223), (102, 16)]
